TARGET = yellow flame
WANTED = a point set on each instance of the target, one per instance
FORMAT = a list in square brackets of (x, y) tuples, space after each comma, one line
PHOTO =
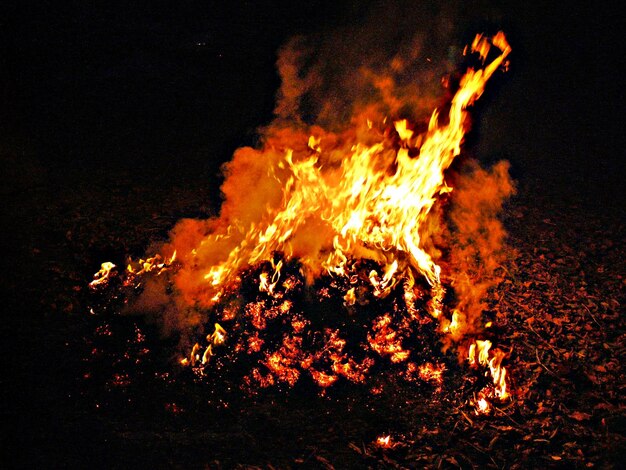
[(102, 276), (384, 441), (403, 131), (373, 203), (480, 353), (482, 406), (350, 297), (156, 263)]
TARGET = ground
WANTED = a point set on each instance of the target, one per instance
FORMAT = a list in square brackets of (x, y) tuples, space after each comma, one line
[(72, 398)]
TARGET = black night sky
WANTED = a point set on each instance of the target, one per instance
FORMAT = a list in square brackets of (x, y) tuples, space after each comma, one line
[(114, 114), (102, 84)]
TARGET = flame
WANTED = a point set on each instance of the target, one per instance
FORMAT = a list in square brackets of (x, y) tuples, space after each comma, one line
[(102, 276), (218, 337), (482, 406), (134, 269), (481, 354), (155, 263), (346, 197), (350, 297), (384, 441)]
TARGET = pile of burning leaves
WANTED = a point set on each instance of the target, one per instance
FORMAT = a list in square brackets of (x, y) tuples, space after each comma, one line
[(337, 332), (345, 267)]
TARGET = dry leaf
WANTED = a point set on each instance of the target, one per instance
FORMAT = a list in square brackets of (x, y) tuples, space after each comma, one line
[(580, 416)]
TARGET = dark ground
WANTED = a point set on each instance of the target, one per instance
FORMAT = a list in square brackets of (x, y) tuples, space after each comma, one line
[(75, 400), (101, 156)]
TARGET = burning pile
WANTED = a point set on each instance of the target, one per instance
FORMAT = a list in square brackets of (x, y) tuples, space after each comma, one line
[(341, 253)]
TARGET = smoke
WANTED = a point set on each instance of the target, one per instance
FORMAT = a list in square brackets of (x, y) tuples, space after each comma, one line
[(390, 64), (400, 61), (476, 238)]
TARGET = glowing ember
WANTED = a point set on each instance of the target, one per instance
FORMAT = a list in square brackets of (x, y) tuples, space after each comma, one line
[(385, 341), (432, 373)]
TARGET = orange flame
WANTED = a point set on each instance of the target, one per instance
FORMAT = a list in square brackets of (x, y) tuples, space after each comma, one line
[(343, 197)]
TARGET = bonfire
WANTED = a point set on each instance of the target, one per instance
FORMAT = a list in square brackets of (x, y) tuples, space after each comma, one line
[(342, 255)]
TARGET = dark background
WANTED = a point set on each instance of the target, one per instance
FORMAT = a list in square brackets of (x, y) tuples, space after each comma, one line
[(180, 85), (116, 116)]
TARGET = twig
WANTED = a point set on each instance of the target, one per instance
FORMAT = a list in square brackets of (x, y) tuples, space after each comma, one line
[(467, 418), (479, 449), (509, 416), (556, 353), (548, 370), (591, 315)]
